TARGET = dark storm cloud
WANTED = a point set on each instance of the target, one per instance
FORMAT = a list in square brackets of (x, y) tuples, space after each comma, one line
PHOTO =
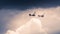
[(28, 4)]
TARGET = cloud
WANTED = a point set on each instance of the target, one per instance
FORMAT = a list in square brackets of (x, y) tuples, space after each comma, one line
[(33, 26), (51, 21), (5, 16)]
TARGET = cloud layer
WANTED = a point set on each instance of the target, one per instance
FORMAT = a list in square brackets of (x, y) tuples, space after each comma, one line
[(50, 22), (33, 26)]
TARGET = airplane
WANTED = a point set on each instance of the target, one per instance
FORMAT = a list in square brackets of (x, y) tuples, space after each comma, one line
[(35, 15), (32, 14)]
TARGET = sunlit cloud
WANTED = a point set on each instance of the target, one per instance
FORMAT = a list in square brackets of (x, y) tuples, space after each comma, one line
[(50, 22), (33, 26)]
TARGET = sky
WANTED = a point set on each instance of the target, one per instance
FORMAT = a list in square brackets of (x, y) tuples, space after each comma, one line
[(13, 14)]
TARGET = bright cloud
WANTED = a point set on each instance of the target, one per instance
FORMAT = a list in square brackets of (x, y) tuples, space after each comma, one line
[(33, 26), (50, 23)]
